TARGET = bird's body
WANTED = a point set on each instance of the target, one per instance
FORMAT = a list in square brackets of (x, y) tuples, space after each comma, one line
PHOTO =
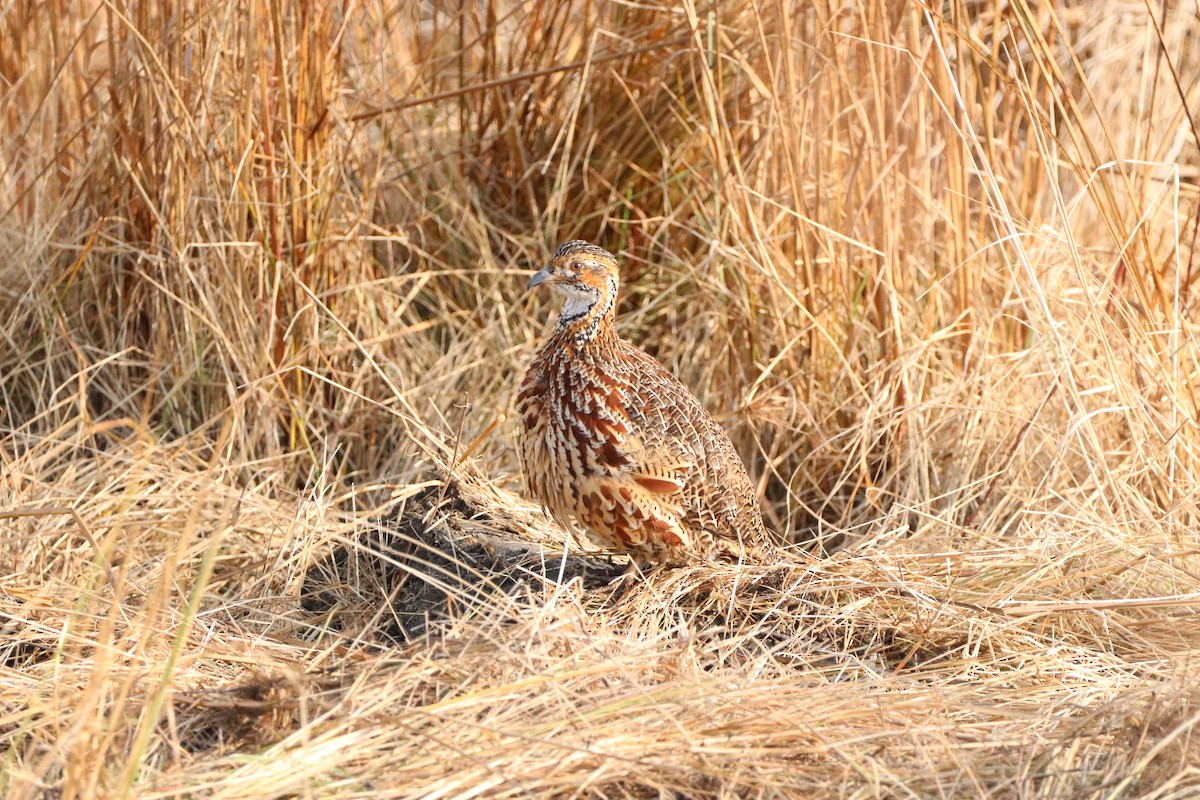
[(614, 442)]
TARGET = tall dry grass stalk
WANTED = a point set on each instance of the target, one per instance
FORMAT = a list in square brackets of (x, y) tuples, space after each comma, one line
[(934, 267)]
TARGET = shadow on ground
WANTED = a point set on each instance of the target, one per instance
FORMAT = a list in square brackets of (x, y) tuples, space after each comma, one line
[(436, 557)]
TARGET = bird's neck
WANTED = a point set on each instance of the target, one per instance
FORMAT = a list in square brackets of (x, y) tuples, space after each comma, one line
[(587, 317)]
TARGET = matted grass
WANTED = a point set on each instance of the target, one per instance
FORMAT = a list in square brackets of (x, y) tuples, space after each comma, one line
[(261, 282)]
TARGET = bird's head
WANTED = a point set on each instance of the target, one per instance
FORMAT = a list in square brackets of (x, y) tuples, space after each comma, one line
[(586, 276)]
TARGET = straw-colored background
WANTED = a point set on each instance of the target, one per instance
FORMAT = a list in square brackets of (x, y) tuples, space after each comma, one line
[(262, 273)]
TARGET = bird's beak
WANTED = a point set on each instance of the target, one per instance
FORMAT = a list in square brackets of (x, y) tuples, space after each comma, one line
[(539, 277)]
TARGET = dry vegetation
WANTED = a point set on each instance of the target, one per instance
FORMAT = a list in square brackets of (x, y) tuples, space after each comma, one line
[(261, 282)]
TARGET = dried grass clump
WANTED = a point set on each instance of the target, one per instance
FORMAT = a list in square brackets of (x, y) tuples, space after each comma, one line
[(261, 318)]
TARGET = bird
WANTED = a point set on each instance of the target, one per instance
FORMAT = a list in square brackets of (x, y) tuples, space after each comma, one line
[(612, 441)]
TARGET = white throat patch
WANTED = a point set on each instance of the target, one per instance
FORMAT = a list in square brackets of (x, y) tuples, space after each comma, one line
[(579, 301)]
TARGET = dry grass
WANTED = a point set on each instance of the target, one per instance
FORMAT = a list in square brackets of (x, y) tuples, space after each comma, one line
[(934, 267)]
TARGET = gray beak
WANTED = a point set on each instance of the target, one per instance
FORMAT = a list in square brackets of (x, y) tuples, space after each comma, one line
[(539, 277)]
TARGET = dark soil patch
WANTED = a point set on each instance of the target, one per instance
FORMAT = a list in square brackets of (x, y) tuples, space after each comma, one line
[(433, 558)]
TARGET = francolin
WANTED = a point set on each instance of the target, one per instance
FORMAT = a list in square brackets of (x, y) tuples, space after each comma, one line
[(614, 442)]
